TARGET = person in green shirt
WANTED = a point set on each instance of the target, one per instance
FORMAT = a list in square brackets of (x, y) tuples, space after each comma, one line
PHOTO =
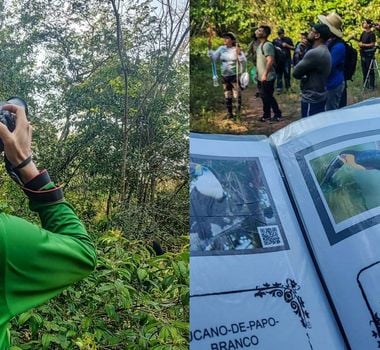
[(37, 263)]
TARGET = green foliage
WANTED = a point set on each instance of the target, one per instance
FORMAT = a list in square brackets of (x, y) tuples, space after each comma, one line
[(63, 59), (294, 16), (223, 15), (134, 300)]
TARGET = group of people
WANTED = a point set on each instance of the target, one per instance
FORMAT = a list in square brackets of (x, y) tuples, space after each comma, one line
[(319, 61)]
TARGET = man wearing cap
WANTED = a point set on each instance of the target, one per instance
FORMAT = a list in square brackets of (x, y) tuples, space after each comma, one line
[(232, 57), (285, 44), (313, 70), (335, 82), (367, 44)]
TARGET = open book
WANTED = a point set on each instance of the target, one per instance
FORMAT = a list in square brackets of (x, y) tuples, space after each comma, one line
[(285, 235)]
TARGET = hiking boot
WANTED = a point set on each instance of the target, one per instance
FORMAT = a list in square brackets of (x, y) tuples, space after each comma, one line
[(277, 118), (262, 119)]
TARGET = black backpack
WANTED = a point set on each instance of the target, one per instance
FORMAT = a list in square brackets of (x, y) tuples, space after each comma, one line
[(350, 60), (279, 54)]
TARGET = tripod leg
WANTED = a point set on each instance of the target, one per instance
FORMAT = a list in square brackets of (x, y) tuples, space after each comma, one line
[(368, 74), (377, 68)]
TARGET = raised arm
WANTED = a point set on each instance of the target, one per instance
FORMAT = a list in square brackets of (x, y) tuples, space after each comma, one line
[(38, 263)]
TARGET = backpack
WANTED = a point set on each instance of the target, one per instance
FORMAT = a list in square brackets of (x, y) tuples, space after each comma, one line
[(350, 59), (279, 55)]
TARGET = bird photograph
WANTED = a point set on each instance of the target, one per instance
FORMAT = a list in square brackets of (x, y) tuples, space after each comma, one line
[(228, 201), (349, 178), (205, 181)]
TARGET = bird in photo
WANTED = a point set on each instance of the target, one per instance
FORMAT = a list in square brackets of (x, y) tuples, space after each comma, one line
[(204, 180), (361, 160)]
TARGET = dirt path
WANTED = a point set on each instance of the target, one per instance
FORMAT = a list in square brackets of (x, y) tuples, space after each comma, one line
[(289, 105), (249, 122)]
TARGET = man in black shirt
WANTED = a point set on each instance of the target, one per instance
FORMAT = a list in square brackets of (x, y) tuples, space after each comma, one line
[(367, 44), (285, 44)]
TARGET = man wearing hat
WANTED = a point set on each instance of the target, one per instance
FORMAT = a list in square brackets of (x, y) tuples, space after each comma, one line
[(313, 70), (232, 57), (335, 82)]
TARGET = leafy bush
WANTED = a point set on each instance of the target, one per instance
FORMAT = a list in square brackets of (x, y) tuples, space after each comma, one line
[(134, 300)]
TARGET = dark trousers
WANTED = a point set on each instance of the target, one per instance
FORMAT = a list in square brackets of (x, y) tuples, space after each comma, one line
[(366, 61), (308, 109), (343, 99), (266, 89), (232, 90), (283, 70)]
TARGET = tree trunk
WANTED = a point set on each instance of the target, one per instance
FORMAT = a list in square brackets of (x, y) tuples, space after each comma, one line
[(125, 121)]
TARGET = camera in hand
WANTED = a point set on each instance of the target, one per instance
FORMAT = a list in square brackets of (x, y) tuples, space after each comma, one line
[(7, 118)]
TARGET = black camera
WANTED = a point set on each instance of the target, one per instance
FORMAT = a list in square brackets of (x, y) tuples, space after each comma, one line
[(7, 118)]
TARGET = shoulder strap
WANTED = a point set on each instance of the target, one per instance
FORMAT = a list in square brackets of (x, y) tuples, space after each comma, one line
[(334, 42), (262, 46)]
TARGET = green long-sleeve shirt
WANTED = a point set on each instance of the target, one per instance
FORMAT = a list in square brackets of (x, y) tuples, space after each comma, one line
[(37, 263)]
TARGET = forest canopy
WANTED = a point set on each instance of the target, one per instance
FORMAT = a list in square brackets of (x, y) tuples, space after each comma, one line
[(294, 16)]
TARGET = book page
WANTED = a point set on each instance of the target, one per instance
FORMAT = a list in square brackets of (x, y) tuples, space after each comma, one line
[(252, 281)]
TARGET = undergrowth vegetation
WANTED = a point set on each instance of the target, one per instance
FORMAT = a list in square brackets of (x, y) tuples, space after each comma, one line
[(134, 300)]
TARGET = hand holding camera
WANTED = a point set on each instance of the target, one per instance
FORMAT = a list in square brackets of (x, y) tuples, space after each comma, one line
[(16, 138)]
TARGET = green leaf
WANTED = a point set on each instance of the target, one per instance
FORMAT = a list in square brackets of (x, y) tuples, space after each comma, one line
[(165, 333), (86, 322), (24, 317), (46, 340), (142, 274), (71, 333)]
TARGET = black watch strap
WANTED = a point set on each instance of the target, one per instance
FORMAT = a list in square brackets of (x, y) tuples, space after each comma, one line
[(25, 162)]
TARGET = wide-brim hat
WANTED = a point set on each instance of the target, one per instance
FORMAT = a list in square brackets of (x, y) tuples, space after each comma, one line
[(334, 22)]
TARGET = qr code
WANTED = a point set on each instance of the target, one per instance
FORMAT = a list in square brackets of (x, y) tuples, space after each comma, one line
[(270, 236)]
